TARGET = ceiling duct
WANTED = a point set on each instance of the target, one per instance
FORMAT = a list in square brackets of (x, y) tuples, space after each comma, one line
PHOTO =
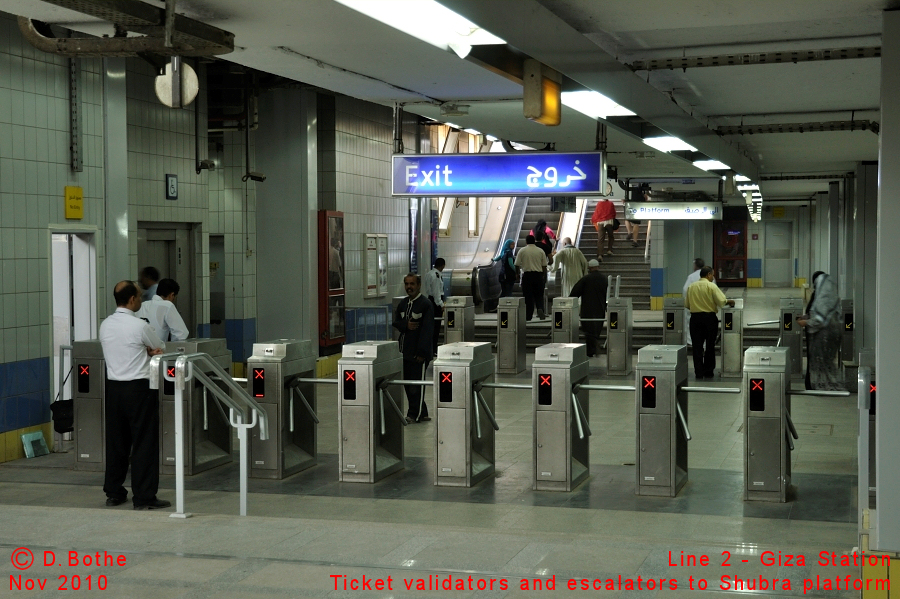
[(189, 36), (857, 125)]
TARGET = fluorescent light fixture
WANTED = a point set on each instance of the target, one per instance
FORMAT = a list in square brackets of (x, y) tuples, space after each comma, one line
[(741, 178), (594, 104), (756, 194), (454, 126), (668, 144), (711, 165), (491, 138), (753, 187), (472, 131), (428, 21)]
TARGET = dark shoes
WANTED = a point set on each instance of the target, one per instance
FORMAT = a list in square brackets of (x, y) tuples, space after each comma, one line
[(425, 419), (114, 501), (411, 420), (156, 504)]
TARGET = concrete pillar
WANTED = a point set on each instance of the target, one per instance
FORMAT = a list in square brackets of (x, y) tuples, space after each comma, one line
[(286, 216), (887, 306), (833, 229), (115, 181)]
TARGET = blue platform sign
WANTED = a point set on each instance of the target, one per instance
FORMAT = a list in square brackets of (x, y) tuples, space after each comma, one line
[(518, 174)]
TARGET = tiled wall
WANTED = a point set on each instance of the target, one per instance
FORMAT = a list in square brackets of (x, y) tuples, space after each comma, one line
[(34, 170), (232, 213)]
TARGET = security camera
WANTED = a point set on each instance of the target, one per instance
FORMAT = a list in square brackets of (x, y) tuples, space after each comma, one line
[(207, 164), (253, 175)]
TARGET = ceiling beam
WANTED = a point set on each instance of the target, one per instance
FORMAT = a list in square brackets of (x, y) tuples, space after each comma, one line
[(534, 30), (753, 58)]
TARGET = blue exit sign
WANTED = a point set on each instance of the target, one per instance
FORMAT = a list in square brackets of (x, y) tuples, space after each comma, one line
[(524, 173)]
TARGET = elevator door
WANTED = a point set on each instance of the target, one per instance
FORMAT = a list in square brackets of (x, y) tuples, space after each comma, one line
[(778, 272), (169, 248)]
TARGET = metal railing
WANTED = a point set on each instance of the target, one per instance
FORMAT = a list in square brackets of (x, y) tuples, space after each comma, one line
[(244, 412)]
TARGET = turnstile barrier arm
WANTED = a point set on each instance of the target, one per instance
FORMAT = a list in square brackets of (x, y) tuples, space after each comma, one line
[(477, 413), (762, 322), (487, 411), (789, 440), (790, 423), (295, 389), (382, 392), (683, 421), (579, 419)]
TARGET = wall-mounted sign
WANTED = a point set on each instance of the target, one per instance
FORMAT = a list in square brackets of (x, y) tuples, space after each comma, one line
[(74, 201), (778, 211), (673, 210), (521, 173), (171, 187), (375, 265)]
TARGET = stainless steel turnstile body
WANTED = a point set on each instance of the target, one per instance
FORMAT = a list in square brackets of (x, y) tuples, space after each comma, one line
[(459, 319), (565, 319), (847, 349), (791, 332), (767, 407), (560, 409), (464, 438), (89, 398), (272, 379), (370, 429), (867, 360), (673, 321), (733, 339), (619, 335), (511, 335), (207, 432), (661, 413)]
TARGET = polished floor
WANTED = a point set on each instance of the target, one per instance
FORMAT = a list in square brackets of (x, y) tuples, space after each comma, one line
[(307, 532)]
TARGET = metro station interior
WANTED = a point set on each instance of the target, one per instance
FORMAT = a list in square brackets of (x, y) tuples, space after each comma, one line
[(761, 137)]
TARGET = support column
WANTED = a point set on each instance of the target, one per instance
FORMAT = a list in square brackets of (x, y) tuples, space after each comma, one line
[(887, 342), (286, 216), (115, 181), (864, 225), (832, 228)]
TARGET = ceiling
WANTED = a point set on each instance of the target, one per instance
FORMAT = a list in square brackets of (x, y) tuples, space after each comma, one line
[(592, 42)]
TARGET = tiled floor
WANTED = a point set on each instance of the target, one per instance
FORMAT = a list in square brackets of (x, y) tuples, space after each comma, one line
[(305, 532)]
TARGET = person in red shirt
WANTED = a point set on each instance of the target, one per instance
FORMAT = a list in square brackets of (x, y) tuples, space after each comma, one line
[(603, 218)]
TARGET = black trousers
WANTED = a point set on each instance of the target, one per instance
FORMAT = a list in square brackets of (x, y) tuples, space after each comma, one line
[(704, 329), (592, 332), (414, 371), (533, 289), (132, 429)]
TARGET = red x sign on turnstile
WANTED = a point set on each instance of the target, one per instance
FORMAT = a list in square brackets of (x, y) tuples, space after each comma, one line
[(446, 377), (349, 375), (545, 379), (259, 374), (649, 382), (871, 388), (84, 369), (757, 384), (170, 371)]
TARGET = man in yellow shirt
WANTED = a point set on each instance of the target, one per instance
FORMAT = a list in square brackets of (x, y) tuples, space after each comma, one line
[(704, 299)]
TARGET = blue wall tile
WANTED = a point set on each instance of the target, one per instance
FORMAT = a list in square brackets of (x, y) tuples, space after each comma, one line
[(657, 277), (350, 318), (232, 328), (203, 331), (249, 329), (754, 268), (5, 425), (4, 380)]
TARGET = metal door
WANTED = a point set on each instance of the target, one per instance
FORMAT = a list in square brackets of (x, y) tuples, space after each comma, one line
[(764, 454), (777, 263), (169, 247), (656, 450), (264, 453), (552, 453), (89, 435), (452, 438), (355, 425)]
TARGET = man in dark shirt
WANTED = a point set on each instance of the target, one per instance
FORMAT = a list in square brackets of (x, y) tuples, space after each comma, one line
[(591, 288), (415, 321)]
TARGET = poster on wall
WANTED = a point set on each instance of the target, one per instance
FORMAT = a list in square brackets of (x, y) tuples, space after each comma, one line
[(382, 265), (371, 264), (331, 280)]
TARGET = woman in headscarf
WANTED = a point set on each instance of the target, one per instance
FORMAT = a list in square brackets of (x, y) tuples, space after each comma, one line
[(508, 273), (822, 322)]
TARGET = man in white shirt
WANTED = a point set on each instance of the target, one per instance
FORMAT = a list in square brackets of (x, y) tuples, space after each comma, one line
[(161, 313), (433, 289), (132, 408), (691, 279), (574, 266), (532, 261)]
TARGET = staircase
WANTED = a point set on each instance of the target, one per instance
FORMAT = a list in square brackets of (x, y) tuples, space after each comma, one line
[(627, 261), (536, 209)]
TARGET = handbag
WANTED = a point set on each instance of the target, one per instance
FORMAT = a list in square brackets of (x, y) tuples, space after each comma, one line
[(616, 224)]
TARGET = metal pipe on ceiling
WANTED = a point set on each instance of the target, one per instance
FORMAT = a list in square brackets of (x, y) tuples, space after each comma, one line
[(751, 58)]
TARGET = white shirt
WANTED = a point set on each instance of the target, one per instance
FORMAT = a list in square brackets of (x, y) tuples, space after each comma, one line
[(164, 319), (149, 292), (125, 339), (691, 279), (433, 286), (574, 266)]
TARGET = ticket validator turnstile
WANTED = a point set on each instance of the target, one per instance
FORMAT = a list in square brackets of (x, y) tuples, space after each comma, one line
[(459, 319), (673, 321), (273, 373), (619, 335), (767, 424), (791, 332), (661, 418), (565, 319), (208, 433), (733, 339), (867, 360), (464, 415), (511, 335), (847, 315), (89, 397), (370, 421), (560, 408)]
